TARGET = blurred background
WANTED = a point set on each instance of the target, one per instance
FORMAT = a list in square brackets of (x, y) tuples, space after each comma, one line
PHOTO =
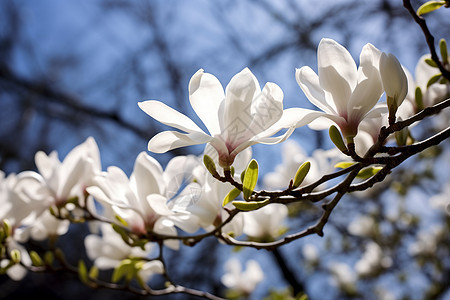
[(74, 69)]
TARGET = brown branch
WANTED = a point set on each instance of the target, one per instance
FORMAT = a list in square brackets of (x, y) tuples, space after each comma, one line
[(428, 36)]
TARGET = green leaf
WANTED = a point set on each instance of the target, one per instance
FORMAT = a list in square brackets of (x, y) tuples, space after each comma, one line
[(433, 79), (429, 6), (249, 206), (36, 260), (210, 165), (301, 174), (431, 62), (231, 196), (336, 138), (121, 220), (368, 172), (401, 136), (125, 268), (443, 49), (82, 271), (344, 164), (123, 233), (250, 179)]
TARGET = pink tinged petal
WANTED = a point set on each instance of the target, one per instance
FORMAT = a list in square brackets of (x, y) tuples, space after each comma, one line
[(237, 106), (147, 176), (206, 94), (267, 108), (308, 81), (337, 72), (169, 140), (168, 116)]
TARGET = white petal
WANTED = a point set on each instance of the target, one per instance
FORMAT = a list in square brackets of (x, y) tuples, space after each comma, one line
[(237, 106), (297, 117), (169, 140), (169, 116), (369, 88), (308, 81), (267, 108), (159, 204), (147, 174), (206, 94), (337, 72)]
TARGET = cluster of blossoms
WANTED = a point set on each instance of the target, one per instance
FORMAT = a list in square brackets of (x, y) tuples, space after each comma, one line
[(130, 213)]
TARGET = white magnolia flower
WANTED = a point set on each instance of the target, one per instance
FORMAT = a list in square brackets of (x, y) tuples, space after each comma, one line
[(241, 116), (344, 277), (363, 226), (143, 199), (346, 94), (109, 249), (208, 208), (242, 281), (265, 223)]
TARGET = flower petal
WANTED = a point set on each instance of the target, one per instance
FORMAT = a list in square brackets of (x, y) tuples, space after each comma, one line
[(237, 106), (267, 108), (168, 140), (369, 88), (168, 116), (206, 94), (147, 175), (308, 81), (337, 72)]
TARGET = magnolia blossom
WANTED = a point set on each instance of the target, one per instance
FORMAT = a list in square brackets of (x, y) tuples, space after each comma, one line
[(241, 116), (241, 281), (208, 208), (394, 81), (109, 249), (343, 276), (345, 93), (265, 223), (142, 200)]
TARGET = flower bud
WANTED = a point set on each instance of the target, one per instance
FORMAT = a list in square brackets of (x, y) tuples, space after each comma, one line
[(395, 83)]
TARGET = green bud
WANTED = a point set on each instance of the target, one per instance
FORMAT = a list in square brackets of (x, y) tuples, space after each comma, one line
[(49, 258), (210, 165), (15, 256), (301, 174), (431, 62), (36, 260), (344, 164), (419, 99), (336, 138), (231, 196), (82, 272), (93, 272), (402, 136), (429, 6), (7, 228), (444, 51), (433, 79), (250, 179), (249, 206), (368, 172)]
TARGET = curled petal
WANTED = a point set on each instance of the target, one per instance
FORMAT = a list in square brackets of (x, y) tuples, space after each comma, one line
[(169, 116), (308, 81), (168, 140), (206, 94), (337, 72)]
